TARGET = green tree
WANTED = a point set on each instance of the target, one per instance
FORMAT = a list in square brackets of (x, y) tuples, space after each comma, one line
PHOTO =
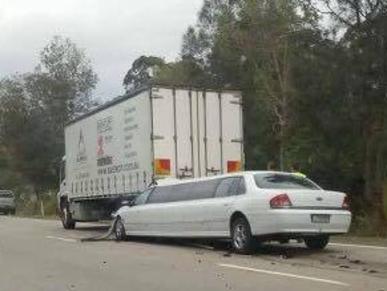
[(142, 71), (365, 37), (35, 107)]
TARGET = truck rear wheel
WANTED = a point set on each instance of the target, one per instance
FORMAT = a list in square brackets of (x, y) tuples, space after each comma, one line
[(67, 221)]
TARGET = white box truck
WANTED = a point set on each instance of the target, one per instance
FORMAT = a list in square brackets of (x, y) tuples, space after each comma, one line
[(117, 150)]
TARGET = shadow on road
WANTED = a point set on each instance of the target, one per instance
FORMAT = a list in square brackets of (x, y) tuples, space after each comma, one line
[(269, 249), (92, 228), (284, 251)]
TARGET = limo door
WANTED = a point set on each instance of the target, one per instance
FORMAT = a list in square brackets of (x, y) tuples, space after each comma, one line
[(162, 214), (222, 205), (194, 209), (180, 210)]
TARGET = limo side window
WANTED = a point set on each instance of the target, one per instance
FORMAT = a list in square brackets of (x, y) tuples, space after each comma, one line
[(225, 187), (140, 200), (241, 188), (230, 186), (184, 192)]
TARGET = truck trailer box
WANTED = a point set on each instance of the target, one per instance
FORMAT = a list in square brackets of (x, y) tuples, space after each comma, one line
[(121, 147)]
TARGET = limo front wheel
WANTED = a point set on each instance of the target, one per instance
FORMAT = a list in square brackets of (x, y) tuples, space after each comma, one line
[(242, 239), (119, 230)]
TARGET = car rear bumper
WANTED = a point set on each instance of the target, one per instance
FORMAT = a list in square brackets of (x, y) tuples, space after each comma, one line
[(297, 222)]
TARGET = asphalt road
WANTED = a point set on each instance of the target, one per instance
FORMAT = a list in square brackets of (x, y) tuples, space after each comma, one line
[(38, 255)]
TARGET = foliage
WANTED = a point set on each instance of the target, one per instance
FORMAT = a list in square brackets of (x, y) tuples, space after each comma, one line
[(34, 108), (142, 71), (314, 81)]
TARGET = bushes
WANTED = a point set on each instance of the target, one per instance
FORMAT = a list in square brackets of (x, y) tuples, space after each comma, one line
[(37, 208), (365, 225)]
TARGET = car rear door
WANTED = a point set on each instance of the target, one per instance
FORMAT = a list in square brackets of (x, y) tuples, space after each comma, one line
[(222, 204)]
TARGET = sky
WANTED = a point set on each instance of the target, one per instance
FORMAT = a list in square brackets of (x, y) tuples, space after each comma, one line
[(113, 33)]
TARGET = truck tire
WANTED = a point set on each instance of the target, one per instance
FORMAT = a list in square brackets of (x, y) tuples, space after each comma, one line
[(243, 241), (317, 243), (119, 230), (67, 221)]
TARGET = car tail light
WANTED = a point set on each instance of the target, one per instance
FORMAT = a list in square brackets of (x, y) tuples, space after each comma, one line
[(345, 204), (280, 201)]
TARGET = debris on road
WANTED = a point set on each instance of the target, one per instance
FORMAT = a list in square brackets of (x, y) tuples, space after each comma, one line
[(104, 236)]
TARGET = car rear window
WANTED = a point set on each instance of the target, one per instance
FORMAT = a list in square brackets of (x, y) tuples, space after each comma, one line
[(283, 181)]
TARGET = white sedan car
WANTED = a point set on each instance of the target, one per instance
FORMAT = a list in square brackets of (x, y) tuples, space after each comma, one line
[(247, 207)]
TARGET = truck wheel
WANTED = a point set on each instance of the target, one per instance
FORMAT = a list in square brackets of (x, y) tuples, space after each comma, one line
[(119, 230), (67, 221), (243, 241), (317, 243)]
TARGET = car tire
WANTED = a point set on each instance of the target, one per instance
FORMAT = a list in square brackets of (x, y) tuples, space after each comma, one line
[(119, 230), (317, 243), (67, 221), (242, 239)]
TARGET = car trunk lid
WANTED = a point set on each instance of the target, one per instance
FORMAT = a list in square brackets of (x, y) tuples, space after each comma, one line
[(315, 199)]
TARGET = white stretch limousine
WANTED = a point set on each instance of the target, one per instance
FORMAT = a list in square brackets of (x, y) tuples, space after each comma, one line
[(247, 207)]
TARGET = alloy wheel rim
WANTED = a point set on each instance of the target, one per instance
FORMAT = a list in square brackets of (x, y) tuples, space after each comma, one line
[(240, 236), (119, 230)]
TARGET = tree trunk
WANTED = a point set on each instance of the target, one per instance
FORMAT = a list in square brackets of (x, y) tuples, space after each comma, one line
[(367, 166), (42, 212), (374, 174), (281, 152), (379, 188), (40, 203)]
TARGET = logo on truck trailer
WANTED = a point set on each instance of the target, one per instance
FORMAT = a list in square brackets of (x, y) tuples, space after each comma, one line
[(104, 128), (81, 155)]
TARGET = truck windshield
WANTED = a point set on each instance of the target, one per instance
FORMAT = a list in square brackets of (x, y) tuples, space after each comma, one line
[(283, 181)]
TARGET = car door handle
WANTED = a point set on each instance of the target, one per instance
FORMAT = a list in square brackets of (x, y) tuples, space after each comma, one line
[(226, 204)]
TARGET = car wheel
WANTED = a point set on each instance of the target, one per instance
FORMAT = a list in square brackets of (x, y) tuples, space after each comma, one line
[(242, 240), (119, 230), (317, 243), (67, 221)]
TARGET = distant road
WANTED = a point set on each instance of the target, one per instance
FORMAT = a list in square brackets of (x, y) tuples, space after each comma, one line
[(38, 255)]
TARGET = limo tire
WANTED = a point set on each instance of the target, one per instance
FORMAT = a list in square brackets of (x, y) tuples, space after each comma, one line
[(317, 243), (119, 230), (242, 239)]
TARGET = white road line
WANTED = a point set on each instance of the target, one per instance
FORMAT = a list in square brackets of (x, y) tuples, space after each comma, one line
[(357, 246), (62, 238), (285, 275)]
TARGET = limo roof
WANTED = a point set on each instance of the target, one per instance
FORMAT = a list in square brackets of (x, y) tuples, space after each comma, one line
[(173, 181)]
